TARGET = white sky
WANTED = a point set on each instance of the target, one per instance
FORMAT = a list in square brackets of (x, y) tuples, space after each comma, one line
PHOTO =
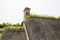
[(12, 10)]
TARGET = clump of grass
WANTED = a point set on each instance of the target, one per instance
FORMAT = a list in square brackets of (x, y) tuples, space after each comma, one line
[(41, 16), (28, 17), (0, 35), (13, 27), (1, 30)]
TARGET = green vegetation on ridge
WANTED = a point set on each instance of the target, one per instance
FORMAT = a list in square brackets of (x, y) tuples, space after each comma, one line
[(41, 16)]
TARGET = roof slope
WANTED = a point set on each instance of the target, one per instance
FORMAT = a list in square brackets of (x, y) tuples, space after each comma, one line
[(13, 34), (43, 29)]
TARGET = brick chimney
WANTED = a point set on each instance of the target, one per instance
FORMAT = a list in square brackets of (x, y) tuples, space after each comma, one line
[(26, 12)]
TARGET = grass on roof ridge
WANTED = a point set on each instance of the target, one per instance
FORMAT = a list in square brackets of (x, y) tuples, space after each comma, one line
[(12, 28), (42, 16)]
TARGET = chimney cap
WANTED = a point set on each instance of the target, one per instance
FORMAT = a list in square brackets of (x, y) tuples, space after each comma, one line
[(26, 8)]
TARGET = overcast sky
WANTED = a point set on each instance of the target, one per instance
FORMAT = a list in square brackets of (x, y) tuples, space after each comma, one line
[(12, 10)]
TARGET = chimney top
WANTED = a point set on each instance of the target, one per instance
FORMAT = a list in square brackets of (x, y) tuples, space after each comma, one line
[(27, 8)]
